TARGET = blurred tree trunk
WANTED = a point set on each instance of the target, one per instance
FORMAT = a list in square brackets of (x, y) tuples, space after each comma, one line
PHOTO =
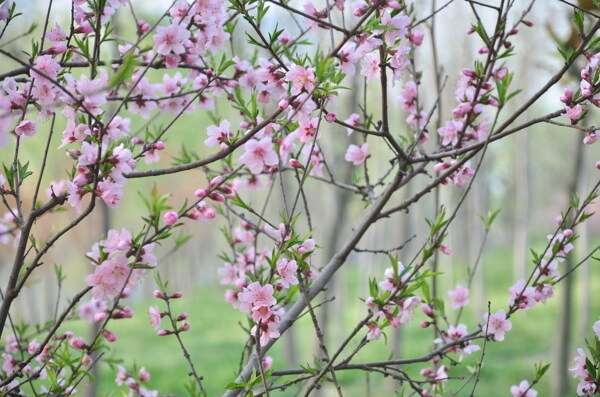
[(564, 335), (521, 219)]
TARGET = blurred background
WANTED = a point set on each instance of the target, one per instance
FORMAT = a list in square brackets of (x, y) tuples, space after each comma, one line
[(529, 176)]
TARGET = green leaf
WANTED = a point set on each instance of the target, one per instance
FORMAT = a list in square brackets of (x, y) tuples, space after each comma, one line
[(125, 71)]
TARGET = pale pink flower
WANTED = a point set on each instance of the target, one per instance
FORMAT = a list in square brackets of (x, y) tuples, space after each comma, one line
[(408, 306), (523, 297), (56, 34), (523, 390), (308, 130), (460, 296), (353, 120), (579, 365), (259, 154), (450, 132), (268, 331), (573, 113), (370, 67), (171, 39), (110, 193), (348, 57), (374, 332), (218, 134), (117, 242), (300, 78), (109, 278), (255, 295), (287, 271), (356, 154), (497, 324), (155, 317), (26, 128), (596, 328)]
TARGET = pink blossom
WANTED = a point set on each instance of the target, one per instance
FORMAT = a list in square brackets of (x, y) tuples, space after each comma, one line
[(110, 193), (523, 297), (259, 154), (408, 305), (497, 324), (268, 331), (356, 154), (450, 131), (523, 390), (117, 242), (143, 375), (348, 57), (26, 128), (155, 317), (579, 365), (370, 67), (300, 78), (256, 295), (374, 331), (287, 271), (171, 39), (460, 296), (353, 120), (573, 113), (109, 278), (56, 34), (218, 134), (408, 97), (308, 130), (596, 328)]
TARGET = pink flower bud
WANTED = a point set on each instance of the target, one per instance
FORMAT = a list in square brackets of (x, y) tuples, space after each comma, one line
[(284, 103), (182, 317), (163, 332), (528, 23), (426, 372), (170, 218), (184, 326), (427, 310), (110, 337), (425, 324), (296, 164), (200, 193), (441, 166), (245, 124), (483, 50), (159, 145), (77, 343), (598, 165), (175, 295), (330, 117), (216, 196), (208, 72), (137, 141), (445, 250), (159, 294), (143, 26), (68, 335), (87, 360), (215, 181), (210, 213), (567, 232), (513, 31), (470, 31)]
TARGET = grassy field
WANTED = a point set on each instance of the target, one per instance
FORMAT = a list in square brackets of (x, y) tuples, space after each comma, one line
[(215, 339)]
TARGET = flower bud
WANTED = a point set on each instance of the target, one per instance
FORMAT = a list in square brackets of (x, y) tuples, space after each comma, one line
[(170, 218), (295, 163), (330, 117), (182, 317), (77, 343), (159, 294), (200, 193), (110, 337), (175, 295)]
